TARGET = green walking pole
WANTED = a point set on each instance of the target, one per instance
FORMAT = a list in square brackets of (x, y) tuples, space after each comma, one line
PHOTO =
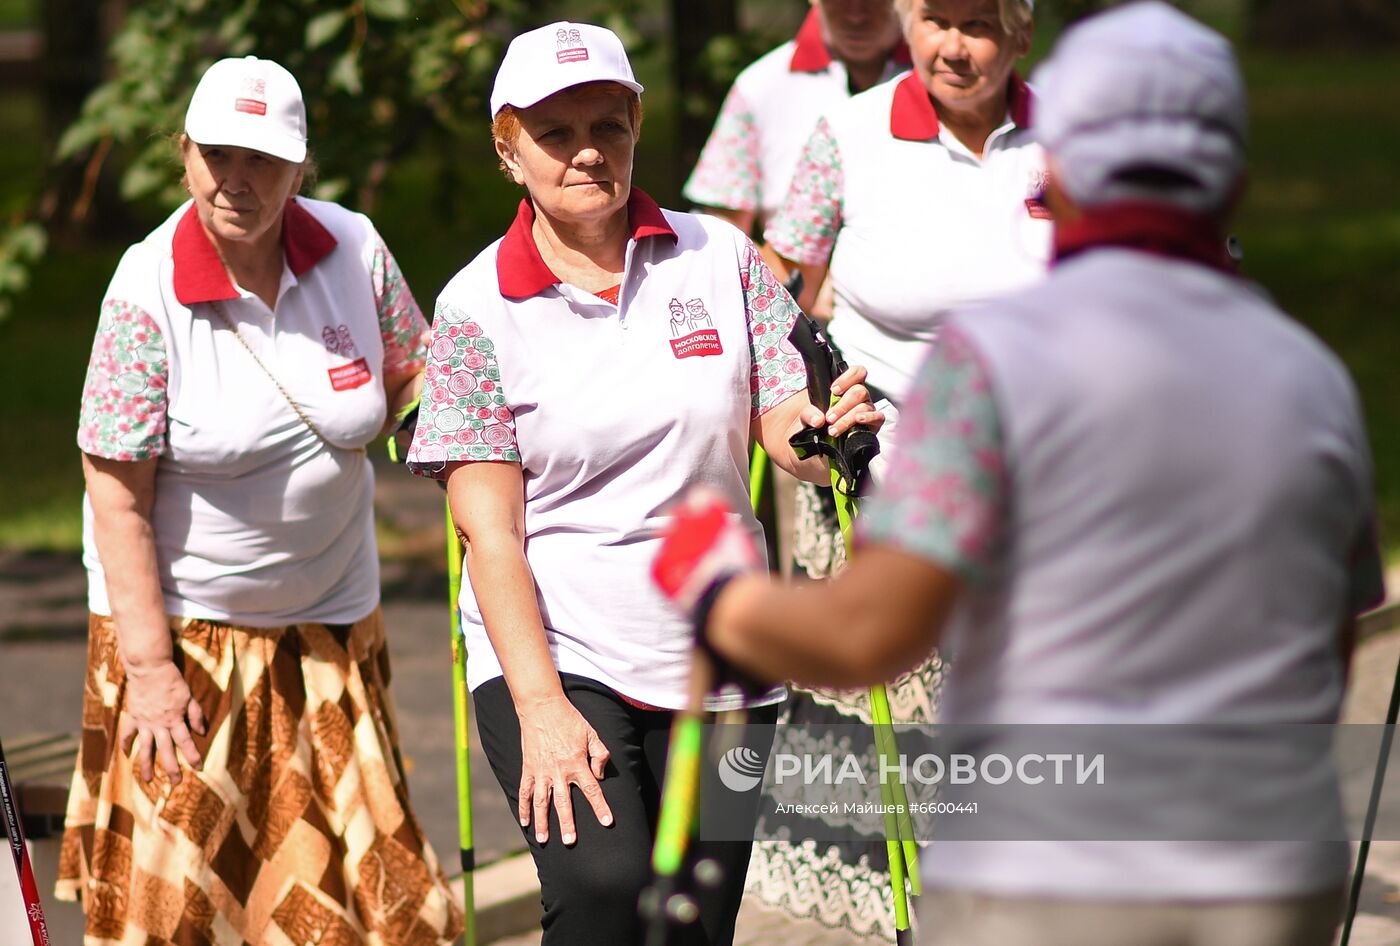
[(461, 721), (902, 838), (849, 459), (397, 445), (667, 903)]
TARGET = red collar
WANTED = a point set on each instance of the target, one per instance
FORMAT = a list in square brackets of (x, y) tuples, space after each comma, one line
[(1153, 228), (521, 271), (913, 117), (199, 273), (811, 54)]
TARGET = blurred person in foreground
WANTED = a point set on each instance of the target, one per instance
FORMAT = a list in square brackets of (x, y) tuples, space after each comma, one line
[(247, 352), (1137, 493), (843, 47), (601, 356)]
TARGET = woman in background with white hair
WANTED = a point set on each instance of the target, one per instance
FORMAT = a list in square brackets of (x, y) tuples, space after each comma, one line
[(922, 193), (912, 197)]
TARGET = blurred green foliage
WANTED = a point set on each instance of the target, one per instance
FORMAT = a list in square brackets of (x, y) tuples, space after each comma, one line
[(382, 78), (1320, 223)]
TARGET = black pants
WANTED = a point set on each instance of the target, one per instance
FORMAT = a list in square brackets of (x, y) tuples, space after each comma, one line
[(590, 890)]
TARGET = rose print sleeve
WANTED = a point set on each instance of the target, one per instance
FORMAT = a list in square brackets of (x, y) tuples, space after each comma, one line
[(944, 493), (804, 228), (401, 324), (124, 397), (727, 174), (463, 414), (778, 370)]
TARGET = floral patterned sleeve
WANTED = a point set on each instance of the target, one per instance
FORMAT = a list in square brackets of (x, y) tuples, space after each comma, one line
[(401, 322), (778, 369), (944, 494), (463, 414), (124, 397), (727, 174), (804, 228)]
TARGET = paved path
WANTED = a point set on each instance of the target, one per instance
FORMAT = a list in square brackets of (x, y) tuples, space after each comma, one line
[(42, 652)]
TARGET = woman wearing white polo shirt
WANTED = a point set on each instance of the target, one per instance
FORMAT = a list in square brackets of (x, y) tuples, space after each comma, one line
[(248, 349), (922, 193), (601, 355), (842, 48)]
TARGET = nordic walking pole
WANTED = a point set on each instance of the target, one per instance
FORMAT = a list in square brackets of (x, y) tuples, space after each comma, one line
[(461, 722), (849, 463), (758, 470), (33, 907), (461, 704), (1364, 848), (665, 902)]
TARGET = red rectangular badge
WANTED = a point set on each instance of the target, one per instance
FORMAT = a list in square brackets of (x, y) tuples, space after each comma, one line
[(576, 54), (251, 106), (703, 342), (345, 377)]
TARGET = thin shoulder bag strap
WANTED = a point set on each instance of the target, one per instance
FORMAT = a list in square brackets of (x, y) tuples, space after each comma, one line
[(228, 323)]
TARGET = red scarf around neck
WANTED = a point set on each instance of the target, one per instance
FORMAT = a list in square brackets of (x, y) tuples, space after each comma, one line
[(1154, 228)]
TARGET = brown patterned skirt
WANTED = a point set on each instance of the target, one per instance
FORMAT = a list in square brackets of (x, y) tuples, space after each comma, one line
[(298, 828)]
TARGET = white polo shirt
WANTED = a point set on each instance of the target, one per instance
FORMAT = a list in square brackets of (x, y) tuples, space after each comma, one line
[(612, 411), (256, 521), (911, 222), (748, 160), (1157, 490)]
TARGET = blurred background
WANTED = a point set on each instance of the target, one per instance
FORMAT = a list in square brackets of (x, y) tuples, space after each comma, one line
[(92, 90)]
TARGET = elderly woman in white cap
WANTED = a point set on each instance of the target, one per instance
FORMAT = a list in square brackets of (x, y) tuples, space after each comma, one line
[(1136, 494), (248, 349), (921, 193), (602, 355)]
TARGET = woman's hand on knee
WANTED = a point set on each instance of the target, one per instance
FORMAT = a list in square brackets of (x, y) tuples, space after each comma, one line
[(559, 748)]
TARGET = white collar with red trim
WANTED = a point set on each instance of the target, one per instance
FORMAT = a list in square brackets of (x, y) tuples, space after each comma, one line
[(199, 273), (811, 55), (521, 271), (914, 118)]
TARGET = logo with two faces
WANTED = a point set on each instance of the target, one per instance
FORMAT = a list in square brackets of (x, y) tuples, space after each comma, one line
[(741, 769)]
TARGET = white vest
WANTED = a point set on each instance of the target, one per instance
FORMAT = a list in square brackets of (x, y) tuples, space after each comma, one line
[(1189, 476)]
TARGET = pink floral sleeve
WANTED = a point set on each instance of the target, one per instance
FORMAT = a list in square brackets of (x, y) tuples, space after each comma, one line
[(944, 495), (804, 228), (778, 370), (727, 174), (401, 322), (124, 397), (463, 414)]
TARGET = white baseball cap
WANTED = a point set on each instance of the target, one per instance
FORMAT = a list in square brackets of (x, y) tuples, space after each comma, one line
[(1143, 86), (249, 103), (557, 57)]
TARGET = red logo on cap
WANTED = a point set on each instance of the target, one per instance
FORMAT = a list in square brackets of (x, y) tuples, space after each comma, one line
[(569, 46), (253, 99)]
